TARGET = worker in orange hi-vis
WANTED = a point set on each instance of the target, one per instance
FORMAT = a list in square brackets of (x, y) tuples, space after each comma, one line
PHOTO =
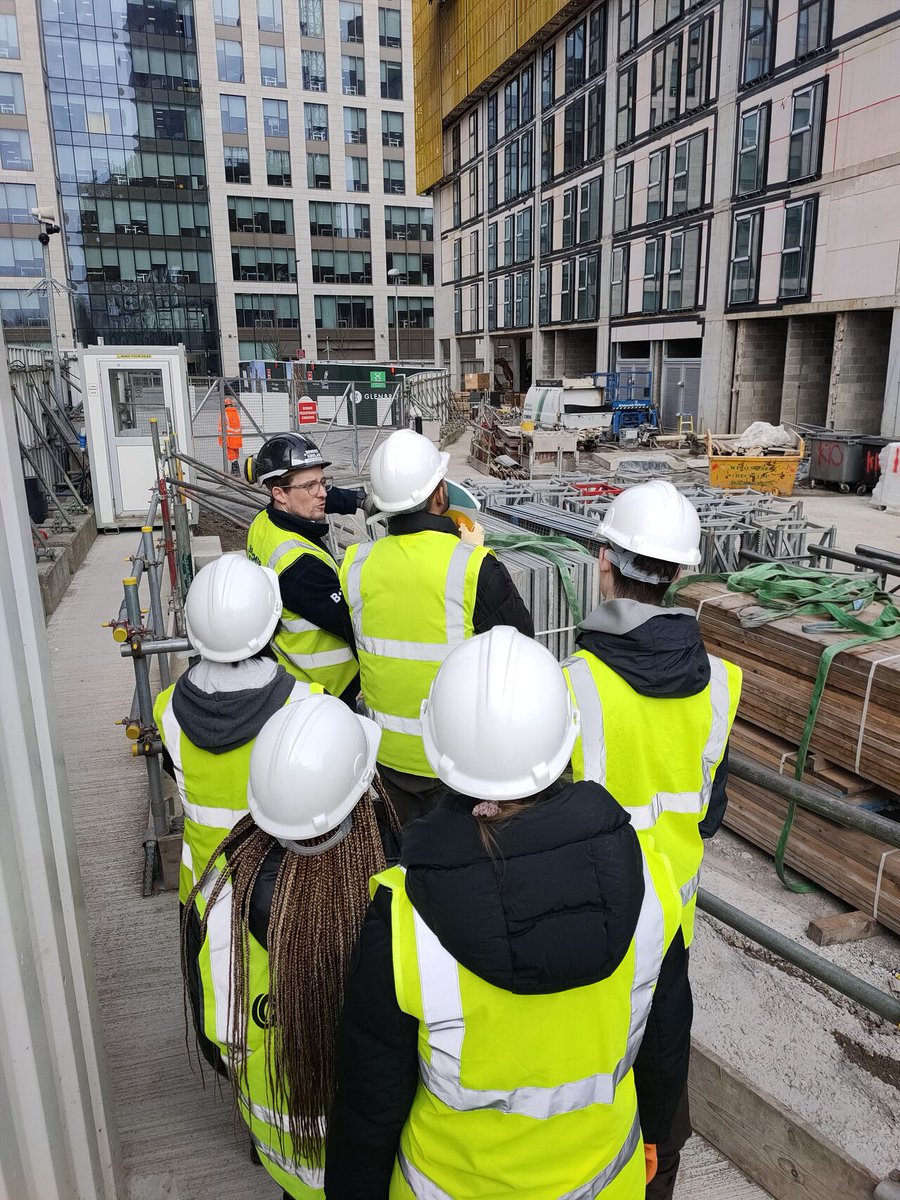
[(234, 439)]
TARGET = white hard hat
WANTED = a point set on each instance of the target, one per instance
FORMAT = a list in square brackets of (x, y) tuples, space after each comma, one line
[(499, 723), (655, 520), (405, 471), (232, 608), (310, 764)]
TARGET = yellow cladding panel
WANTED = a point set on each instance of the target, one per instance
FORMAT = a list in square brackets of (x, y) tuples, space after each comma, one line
[(457, 45)]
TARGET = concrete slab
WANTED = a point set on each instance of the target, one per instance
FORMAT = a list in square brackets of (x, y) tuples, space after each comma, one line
[(76, 544), (205, 550)]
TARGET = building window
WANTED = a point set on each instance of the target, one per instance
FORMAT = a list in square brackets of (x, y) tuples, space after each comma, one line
[(590, 208), (548, 77), (744, 276), (544, 296), (237, 164), (475, 192), (344, 312), (312, 69), (278, 168), (511, 106), (658, 184), (508, 301), (227, 12), (812, 26), (622, 198), (9, 36), (260, 214), (618, 283), (573, 135), (20, 309), (355, 128), (311, 22), (752, 140), (596, 117), (457, 311), (269, 16), (350, 16), (407, 224), (653, 269), (596, 57), (456, 203), (625, 105), (457, 260), (568, 218), (805, 147), (341, 266), (665, 83), (511, 171), (492, 182), (687, 177), (12, 94), (567, 291), (274, 312), (474, 135), (341, 220), (524, 247), (455, 148), (759, 39), (526, 162), (699, 65), (523, 299), (389, 30), (575, 57), (315, 120), (492, 246), (509, 240), (234, 114), (392, 129), (21, 256), (796, 248), (353, 75), (271, 68), (491, 304), (586, 301), (684, 266), (263, 264), (356, 173), (275, 118), (416, 270), (16, 202), (318, 170), (412, 312), (665, 11), (492, 134), (230, 61), (391, 80), (628, 11), (548, 149), (526, 94), (395, 177), (546, 237)]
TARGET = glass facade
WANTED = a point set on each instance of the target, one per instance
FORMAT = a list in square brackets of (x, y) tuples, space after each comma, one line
[(125, 108)]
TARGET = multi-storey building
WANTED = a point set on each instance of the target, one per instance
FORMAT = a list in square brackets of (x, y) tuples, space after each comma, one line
[(234, 175), (709, 189)]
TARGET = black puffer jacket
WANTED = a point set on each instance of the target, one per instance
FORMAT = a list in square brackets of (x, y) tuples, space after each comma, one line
[(554, 909)]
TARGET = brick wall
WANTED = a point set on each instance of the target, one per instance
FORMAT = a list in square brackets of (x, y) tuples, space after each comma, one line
[(759, 371), (807, 369), (859, 370)]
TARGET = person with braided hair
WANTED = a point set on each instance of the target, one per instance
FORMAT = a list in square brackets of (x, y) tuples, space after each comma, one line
[(270, 926)]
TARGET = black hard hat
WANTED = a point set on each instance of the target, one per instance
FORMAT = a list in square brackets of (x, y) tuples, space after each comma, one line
[(282, 454)]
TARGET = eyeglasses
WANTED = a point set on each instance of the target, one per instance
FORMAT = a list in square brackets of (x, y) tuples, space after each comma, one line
[(313, 486)]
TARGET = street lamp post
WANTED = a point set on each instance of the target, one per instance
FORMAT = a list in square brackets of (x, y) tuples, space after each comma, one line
[(48, 226), (395, 275)]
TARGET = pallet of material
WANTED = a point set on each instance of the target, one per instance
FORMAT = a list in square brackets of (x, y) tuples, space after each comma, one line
[(857, 727), (775, 752), (843, 861)]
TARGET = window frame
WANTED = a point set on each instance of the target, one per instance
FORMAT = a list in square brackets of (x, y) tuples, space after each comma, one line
[(805, 245), (754, 219), (657, 244), (688, 271), (751, 33), (811, 155), (618, 279), (628, 77), (824, 31), (625, 174), (659, 158), (677, 209), (760, 148)]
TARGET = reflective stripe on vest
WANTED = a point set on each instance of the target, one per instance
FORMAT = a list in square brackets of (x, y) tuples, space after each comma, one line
[(392, 695), (424, 1188), (313, 1177), (446, 1027)]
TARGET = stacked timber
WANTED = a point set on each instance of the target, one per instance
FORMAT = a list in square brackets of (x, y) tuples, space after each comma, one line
[(854, 750)]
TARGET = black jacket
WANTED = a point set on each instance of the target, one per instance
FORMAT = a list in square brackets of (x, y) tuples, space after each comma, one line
[(556, 908), (497, 602), (309, 587), (659, 652)]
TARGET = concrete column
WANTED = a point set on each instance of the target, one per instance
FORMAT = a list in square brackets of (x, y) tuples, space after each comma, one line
[(856, 395), (57, 1137), (890, 417)]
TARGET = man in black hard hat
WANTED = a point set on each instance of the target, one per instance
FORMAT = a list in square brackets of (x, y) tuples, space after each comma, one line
[(314, 639)]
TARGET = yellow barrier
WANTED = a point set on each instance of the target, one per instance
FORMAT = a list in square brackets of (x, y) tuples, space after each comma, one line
[(766, 473)]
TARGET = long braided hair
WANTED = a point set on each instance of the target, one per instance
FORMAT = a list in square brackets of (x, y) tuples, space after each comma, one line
[(317, 911)]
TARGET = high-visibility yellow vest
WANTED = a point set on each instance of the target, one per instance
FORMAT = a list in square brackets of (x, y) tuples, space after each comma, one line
[(521, 1095), (212, 787), (412, 599), (310, 653), (268, 1126), (658, 757)]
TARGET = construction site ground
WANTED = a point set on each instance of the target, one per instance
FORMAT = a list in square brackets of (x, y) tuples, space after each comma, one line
[(823, 1058)]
